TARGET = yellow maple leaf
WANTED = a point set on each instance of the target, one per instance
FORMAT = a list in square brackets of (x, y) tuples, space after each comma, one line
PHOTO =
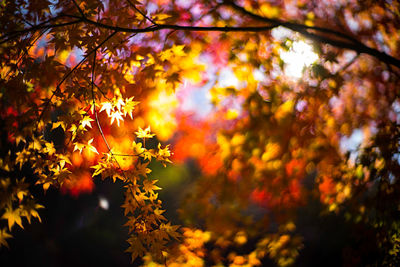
[(129, 106), (118, 103), (86, 122), (13, 216), (50, 148), (142, 169), (149, 186), (128, 207), (98, 169), (107, 106), (79, 146), (178, 50), (73, 128), (144, 133), (3, 236), (46, 186), (92, 148), (148, 154), (21, 194), (30, 210), (116, 115), (58, 124), (161, 17), (137, 148), (163, 154)]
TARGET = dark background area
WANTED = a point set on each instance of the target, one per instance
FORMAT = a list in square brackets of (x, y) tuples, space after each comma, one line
[(76, 231)]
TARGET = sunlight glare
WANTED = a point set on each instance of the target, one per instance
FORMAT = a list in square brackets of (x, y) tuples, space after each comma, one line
[(299, 56)]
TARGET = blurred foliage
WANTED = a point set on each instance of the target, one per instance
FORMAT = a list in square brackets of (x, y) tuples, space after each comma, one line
[(282, 119)]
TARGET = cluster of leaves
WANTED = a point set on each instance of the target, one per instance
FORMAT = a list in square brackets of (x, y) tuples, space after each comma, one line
[(147, 226), (273, 144), (48, 106)]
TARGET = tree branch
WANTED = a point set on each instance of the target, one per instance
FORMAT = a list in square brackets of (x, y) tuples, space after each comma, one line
[(70, 72), (159, 27), (291, 25), (95, 111), (141, 13), (341, 40), (79, 9), (345, 41), (15, 34)]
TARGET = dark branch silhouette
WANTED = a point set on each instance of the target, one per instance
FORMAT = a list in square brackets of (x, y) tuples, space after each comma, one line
[(318, 34)]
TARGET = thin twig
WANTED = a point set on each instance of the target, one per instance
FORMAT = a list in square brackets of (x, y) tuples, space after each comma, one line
[(141, 13), (347, 65), (79, 9), (27, 22), (94, 106), (70, 72), (166, 37), (127, 155), (15, 34), (101, 91), (24, 52), (97, 118)]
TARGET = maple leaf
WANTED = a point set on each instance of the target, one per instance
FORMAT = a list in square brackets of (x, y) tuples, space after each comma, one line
[(163, 154), (108, 107), (136, 247), (158, 213), (131, 220), (50, 148), (149, 186), (178, 50), (3, 236), (98, 169), (21, 194), (148, 154), (137, 148), (79, 146), (144, 133), (128, 207), (73, 128), (174, 79), (142, 169), (116, 176), (86, 122), (171, 230), (13, 216), (161, 17), (92, 148), (129, 106), (116, 115), (58, 124), (63, 159), (30, 210), (119, 103), (161, 234)]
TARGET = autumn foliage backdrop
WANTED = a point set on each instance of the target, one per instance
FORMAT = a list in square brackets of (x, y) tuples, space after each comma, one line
[(227, 133)]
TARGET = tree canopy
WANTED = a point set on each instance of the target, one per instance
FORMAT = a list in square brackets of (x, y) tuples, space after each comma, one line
[(286, 108)]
